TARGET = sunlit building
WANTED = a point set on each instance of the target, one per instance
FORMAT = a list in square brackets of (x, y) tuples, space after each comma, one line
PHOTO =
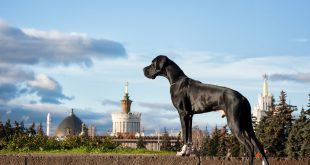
[(126, 122), (264, 102), (71, 125)]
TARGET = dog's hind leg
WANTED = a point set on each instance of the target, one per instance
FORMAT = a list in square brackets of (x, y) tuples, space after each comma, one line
[(234, 122), (243, 140), (250, 132), (258, 145)]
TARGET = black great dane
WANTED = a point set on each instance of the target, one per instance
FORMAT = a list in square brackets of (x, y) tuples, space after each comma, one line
[(191, 97)]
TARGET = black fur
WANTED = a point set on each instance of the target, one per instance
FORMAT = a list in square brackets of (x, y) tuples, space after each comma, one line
[(191, 97)]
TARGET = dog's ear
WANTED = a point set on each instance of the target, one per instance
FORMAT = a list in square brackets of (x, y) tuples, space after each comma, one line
[(160, 62)]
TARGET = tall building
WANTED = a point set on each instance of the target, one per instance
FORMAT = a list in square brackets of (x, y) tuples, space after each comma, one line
[(264, 101), (126, 121), (48, 124)]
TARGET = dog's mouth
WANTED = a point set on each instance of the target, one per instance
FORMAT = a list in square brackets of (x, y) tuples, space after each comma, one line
[(147, 74), (150, 76)]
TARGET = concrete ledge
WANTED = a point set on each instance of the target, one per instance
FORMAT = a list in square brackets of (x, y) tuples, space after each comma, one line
[(12, 159), (94, 159), (106, 159)]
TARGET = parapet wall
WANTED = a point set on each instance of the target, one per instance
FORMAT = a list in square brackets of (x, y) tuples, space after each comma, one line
[(104, 159)]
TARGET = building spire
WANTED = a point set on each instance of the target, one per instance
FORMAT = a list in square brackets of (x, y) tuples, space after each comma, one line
[(71, 112), (126, 87), (265, 93), (126, 102)]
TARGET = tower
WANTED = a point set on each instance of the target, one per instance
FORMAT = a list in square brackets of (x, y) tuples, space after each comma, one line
[(48, 124), (126, 122), (264, 101), (126, 102), (265, 93)]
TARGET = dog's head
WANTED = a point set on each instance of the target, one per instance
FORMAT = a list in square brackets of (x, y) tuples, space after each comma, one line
[(157, 67)]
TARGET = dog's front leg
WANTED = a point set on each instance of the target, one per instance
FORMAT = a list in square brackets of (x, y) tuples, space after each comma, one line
[(189, 140), (186, 124), (184, 134)]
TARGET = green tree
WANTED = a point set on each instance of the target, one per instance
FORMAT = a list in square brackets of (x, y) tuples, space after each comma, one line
[(295, 138), (8, 129), (305, 148), (177, 146), (31, 130), (140, 142), (276, 124), (17, 128), (214, 142), (166, 143), (40, 131), (2, 130), (223, 142), (205, 143)]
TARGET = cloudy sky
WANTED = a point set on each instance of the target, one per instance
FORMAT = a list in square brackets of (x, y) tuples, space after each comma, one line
[(59, 55)]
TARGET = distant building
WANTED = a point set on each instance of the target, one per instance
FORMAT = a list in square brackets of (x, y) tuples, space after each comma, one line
[(126, 122), (48, 124), (92, 130), (264, 102), (71, 125)]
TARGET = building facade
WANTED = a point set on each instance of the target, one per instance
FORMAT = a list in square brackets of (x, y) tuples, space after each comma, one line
[(264, 102), (71, 125), (126, 122)]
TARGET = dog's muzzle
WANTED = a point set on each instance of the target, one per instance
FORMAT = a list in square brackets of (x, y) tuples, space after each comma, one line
[(149, 73)]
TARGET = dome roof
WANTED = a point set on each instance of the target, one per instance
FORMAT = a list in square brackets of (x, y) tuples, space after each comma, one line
[(70, 125)]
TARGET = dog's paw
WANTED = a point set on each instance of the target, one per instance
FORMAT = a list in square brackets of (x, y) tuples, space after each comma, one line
[(188, 151), (183, 151), (180, 154)]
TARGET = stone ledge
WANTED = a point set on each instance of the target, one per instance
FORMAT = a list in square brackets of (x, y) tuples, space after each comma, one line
[(112, 159)]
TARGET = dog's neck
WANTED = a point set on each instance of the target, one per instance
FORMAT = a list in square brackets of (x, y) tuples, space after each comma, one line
[(173, 73)]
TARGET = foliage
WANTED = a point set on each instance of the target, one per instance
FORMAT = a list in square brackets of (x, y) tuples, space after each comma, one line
[(177, 146), (276, 124), (278, 132), (21, 139), (166, 143), (205, 143), (305, 148), (140, 142), (295, 139)]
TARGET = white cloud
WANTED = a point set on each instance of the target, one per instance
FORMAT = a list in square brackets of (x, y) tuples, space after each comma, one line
[(8, 112), (43, 81), (32, 46)]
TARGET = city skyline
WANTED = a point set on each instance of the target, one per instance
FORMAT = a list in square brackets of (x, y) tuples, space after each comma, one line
[(57, 55)]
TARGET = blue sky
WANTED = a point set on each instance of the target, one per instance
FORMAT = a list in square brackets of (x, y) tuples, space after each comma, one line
[(58, 55)]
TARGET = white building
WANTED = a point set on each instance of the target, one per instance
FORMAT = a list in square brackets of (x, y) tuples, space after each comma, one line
[(126, 122), (48, 124), (264, 101)]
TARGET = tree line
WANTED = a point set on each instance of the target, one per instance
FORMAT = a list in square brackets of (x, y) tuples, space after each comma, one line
[(16, 137), (281, 134)]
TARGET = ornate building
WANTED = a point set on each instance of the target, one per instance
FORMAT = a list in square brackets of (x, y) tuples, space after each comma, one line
[(126, 122), (71, 125), (264, 101)]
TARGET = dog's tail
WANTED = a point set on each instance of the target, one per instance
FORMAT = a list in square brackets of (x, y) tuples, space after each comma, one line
[(251, 133)]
